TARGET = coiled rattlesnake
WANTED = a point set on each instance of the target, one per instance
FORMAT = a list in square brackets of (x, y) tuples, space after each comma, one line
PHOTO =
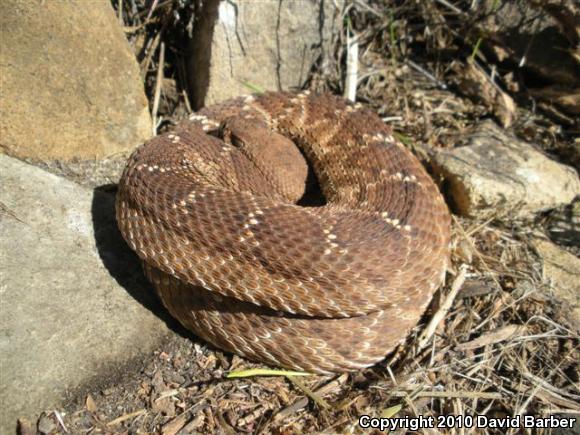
[(210, 208)]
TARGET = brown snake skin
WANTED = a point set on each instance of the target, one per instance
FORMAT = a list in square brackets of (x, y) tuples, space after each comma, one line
[(210, 209)]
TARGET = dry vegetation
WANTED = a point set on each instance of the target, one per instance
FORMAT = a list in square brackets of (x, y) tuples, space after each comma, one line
[(500, 345)]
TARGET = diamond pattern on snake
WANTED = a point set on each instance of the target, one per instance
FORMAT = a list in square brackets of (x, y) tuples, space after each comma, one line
[(290, 229)]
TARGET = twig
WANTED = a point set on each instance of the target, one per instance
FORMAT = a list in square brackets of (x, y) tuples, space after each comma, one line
[(451, 7), (489, 78), (60, 421), (500, 334), (151, 9), (158, 85), (368, 8), (351, 67), (498, 309), (153, 48), (120, 12), (264, 372), (126, 417), (442, 312), (452, 394), (549, 387), (426, 74), (317, 399), (392, 118), (303, 402)]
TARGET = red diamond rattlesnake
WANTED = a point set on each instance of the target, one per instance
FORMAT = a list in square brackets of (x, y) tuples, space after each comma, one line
[(236, 260)]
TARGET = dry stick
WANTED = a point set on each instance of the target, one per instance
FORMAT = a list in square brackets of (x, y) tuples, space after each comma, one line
[(152, 49), (392, 118), (451, 394), (121, 12), (443, 310), (126, 417), (488, 77), (368, 8), (477, 228), (60, 421), (553, 398), (151, 9), (549, 387), (133, 29), (546, 396), (303, 402), (427, 74), (186, 101), (428, 128), (351, 67), (492, 337), (451, 7), (317, 399), (158, 86)]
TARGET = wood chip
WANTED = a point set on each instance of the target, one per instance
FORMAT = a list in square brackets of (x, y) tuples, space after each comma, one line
[(90, 404), (175, 425)]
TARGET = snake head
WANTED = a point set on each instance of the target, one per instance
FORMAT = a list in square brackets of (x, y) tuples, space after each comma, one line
[(273, 154)]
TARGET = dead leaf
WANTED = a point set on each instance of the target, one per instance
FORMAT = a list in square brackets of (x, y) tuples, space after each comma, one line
[(90, 404), (495, 336)]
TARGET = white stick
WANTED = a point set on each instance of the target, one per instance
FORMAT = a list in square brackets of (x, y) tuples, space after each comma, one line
[(351, 68)]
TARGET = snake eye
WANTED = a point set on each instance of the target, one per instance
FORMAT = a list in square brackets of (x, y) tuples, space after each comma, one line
[(236, 141), (227, 133)]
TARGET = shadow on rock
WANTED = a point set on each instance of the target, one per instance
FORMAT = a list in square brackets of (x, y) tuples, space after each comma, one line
[(121, 262)]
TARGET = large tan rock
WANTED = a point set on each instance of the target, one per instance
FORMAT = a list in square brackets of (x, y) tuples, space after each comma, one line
[(495, 174), (75, 308), (70, 85), (265, 45)]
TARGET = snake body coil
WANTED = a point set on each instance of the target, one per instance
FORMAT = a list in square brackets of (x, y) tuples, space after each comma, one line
[(211, 209)]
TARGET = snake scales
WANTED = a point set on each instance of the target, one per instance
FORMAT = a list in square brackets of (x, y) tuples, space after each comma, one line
[(211, 209)]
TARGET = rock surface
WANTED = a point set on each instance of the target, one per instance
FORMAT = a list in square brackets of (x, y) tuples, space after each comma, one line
[(260, 45), (562, 270), (75, 304), (495, 174), (70, 84)]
